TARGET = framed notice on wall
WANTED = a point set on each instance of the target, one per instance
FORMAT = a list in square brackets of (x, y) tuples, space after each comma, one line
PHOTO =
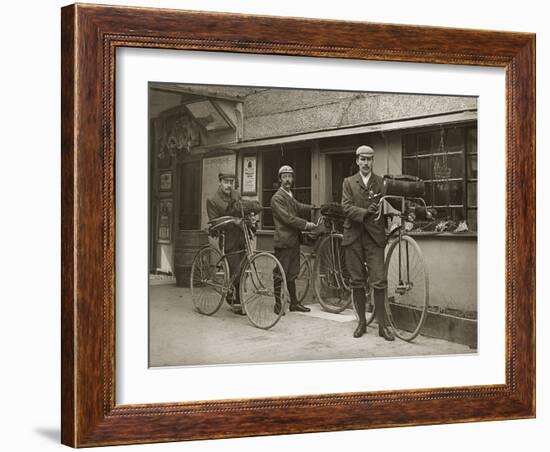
[(165, 220), (165, 181), (249, 175)]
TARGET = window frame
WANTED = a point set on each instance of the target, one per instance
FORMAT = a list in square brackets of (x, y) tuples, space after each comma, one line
[(465, 178)]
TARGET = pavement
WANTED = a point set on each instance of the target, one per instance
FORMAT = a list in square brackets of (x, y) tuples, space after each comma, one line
[(179, 336)]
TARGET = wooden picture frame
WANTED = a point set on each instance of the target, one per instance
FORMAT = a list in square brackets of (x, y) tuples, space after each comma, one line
[(90, 37)]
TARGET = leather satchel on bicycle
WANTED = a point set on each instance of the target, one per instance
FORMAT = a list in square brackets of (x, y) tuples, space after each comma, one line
[(402, 185)]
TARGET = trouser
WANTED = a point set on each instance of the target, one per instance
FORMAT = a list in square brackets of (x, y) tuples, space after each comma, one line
[(290, 261), (234, 255), (365, 250)]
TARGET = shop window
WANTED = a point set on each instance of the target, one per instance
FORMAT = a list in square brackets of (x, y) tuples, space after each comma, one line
[(300, 161), (446, 159)]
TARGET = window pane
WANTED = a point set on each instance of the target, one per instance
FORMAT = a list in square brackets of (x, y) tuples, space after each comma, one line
[(456, 165), (409, 145), (454, 139), (424, 143), (472, 194), (457, 213), (425, 168), (410, 166), (472, 167), (441, 193), (472, 140), (443, 212), (456, 192), (428, 196)]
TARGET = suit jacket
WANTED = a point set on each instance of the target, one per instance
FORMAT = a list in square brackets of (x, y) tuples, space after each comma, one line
[(220, 205), (288, 224), (355, 200)]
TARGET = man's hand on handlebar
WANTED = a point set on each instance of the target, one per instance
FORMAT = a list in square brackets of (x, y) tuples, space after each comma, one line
[(310, 226), (372, 209)]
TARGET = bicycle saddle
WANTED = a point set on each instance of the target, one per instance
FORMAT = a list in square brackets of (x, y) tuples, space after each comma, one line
[(218, 224)]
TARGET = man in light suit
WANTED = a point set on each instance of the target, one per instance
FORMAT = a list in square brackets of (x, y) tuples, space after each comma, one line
[(365, 240), (288, 227)]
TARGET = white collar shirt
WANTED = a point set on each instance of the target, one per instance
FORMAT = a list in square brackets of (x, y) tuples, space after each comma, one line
[(365, 178), (289, 193)]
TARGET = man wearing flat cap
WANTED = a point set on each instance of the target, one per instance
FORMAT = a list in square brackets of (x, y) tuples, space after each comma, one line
[(365, 240), (226, 201), (287, 213)]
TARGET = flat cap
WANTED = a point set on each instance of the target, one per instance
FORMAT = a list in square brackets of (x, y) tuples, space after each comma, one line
[(364, 150), (226, 176)]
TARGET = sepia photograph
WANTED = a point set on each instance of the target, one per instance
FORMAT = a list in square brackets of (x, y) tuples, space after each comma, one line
[(294, 225)]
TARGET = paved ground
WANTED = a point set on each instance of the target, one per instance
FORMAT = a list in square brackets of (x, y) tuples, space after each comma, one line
[(180, 336)]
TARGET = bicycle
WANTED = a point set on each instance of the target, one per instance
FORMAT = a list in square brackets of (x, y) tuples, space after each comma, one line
[(331, 280), (211, 282), (407, 295)]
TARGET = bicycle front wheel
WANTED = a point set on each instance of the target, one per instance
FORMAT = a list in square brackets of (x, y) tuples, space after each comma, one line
[(209, 280), (330, 276), (263, 290), (408, 288), (303, 280)]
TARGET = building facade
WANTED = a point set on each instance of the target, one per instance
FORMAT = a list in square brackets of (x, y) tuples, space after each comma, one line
[(197, 131)]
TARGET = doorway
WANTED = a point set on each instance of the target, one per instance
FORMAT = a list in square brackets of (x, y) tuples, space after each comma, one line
[(342, 166)]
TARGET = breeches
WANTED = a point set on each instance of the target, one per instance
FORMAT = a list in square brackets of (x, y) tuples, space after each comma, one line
[(290, 261), (362, 250)]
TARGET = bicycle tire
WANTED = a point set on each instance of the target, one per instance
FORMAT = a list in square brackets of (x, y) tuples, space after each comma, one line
[(407, 296), (330, 279), (209, 281), (303, 281), (257, 290)]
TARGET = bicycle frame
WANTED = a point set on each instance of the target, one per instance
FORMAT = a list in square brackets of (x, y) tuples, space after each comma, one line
[(249, 251)]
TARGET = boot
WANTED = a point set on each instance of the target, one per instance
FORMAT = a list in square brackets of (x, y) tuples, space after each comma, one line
[(359, 299), (380, 308), (295, 305), (277, 294)]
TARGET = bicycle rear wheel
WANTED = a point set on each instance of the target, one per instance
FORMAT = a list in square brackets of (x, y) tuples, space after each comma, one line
[(209, 280), (262, 276), (408, 295), (330, 276), (303, 281)]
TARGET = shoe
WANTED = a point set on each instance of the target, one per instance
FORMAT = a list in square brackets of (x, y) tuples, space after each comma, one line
[(237, 309), (384, 331), (299, 308), (360, 330)]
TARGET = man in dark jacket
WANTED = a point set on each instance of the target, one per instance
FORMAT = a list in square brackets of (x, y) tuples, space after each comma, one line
[(288, 226), (226, 201), (365, 240)]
